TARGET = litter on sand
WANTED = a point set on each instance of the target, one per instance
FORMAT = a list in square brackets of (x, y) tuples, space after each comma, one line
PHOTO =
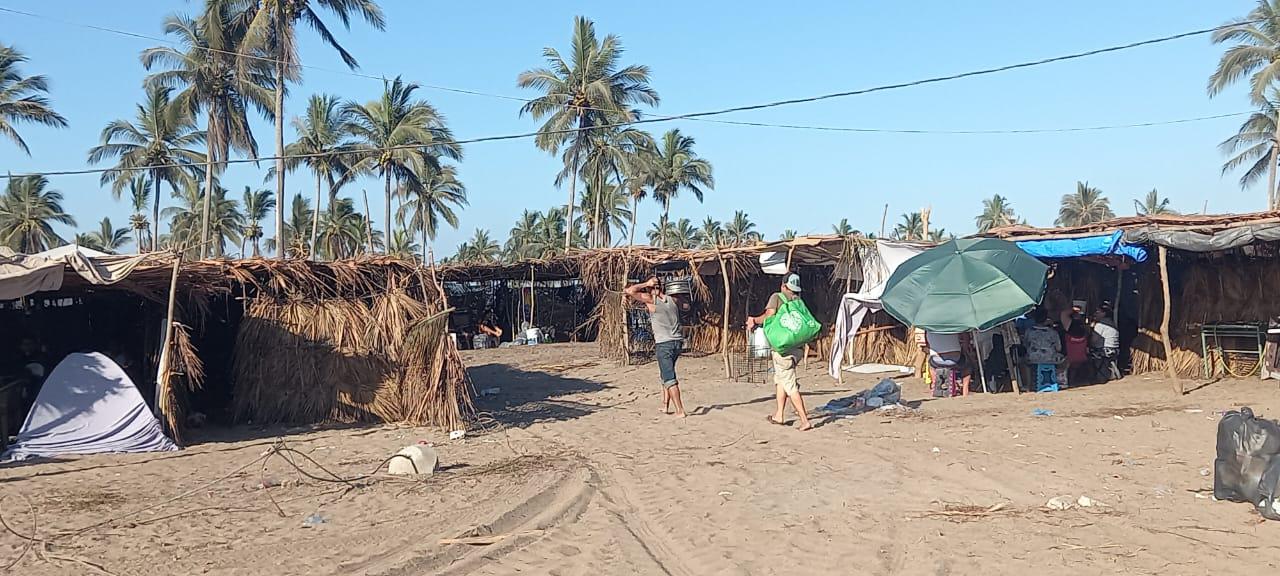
[(1042, 412), (457, 434)]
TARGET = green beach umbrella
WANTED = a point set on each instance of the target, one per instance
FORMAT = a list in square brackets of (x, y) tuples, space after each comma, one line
[(966, 284)]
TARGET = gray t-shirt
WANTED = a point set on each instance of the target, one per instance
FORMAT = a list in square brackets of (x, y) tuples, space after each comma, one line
[(665, 319)]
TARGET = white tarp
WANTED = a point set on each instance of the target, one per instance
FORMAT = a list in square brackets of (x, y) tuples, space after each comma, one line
[(25, 274), (877, 266), (88, 405)]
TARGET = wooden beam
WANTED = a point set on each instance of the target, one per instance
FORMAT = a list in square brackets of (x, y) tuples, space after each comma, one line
[(1164, 321), (166, 355), (724, 330)]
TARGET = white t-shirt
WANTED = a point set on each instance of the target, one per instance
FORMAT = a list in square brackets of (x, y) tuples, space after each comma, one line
[(1106, 335), (940, 344)]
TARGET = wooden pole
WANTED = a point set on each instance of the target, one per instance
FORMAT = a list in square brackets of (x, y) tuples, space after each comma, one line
[(924, 223), (368, 223), (162, 371), (533, 298), (981, 369), (1115, 305), (883, 218), (1164, 321), (724, 329)]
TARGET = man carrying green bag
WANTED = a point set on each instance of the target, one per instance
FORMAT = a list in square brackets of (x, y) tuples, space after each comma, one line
[(788, 325)]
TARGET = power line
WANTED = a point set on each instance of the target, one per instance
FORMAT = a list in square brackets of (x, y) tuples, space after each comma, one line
[(652, 118), (703, 115), (572, 130)]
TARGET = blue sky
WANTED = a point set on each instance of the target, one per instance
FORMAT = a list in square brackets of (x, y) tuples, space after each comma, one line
[(709, 55)]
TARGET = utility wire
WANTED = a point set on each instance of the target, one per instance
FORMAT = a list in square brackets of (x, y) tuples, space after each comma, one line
[(651, 118), (699, 115), (571, 130)]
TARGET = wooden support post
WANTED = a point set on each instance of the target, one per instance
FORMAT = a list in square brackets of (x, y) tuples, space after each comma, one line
[(533, 298), (368, 222), (166, 353), (1164, 321), (724, 329)]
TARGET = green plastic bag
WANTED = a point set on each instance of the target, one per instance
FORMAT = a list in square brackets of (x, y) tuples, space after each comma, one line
[(790, 326)]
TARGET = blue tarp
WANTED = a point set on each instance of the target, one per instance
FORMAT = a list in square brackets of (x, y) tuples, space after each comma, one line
[(1107, 245)]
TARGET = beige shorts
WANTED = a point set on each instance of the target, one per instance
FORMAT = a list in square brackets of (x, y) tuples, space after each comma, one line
[(784, 371)]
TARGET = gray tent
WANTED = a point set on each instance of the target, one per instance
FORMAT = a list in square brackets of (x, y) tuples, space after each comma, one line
[(88, 405)]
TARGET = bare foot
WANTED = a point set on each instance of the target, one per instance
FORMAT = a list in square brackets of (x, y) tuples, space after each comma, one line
[(806, 427), (681, 415)]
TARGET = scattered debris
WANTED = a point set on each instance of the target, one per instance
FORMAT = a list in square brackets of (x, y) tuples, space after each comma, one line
[(1042, 412), (418, 459), (1060, 503), (965, 512), (491, 391), (315, 519), (457, 434), (936, 450), (1087, 502), (486, 540)]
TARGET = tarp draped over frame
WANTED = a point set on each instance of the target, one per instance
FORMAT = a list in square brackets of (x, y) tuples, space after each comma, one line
[(1192, 241), (25, 274), (877, 267), (88, 405), (1114, 244)]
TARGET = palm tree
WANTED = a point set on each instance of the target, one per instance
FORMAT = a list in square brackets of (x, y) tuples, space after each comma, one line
[(1153, 205), (106, 238), (677, 167), (604, 211), (22, 98), (741, 231), (480, 249), (398, 138), (320, 148), (843, 228), (788, 234), (203, 66), (186, 221), (272, 27), (996, 213), (344, 232), (911, 228), (403, 244), (1086, 206), (428, 201), (295, 238), (28, 211), (139, 199), (257, 205), (940, 235), (610, 155), (591, 89), (682, 235), (711, 234), (522, 239), (637, 179), (1255, 54), (1253, 145), (158, 146)]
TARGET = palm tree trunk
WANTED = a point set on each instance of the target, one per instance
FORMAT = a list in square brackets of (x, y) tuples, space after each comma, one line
[(208, 187), (573, 194), (599, 229), (424, 240), (1272, 194), (635, 207), (280, 200), (666, 219), (155, 213), (386, 235), (315, 219), (256, 251)]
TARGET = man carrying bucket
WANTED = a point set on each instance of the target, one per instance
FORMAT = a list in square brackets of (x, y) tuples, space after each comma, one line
[(784, 362), (664, 319)]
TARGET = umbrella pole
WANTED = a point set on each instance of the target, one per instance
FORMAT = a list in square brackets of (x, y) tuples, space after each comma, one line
[(978, 354)]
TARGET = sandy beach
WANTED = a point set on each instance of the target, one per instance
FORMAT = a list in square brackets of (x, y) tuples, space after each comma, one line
[(571, 469)]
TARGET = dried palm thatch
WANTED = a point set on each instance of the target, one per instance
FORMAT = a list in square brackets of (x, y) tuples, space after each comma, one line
[(1219, 288), (345, 342), (185, 375)]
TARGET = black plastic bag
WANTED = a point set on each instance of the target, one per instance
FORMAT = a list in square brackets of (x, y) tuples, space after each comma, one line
[(1245, 449), (1268, 501)]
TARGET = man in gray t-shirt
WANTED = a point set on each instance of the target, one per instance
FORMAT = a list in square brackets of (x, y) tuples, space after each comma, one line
[(664, 318)]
